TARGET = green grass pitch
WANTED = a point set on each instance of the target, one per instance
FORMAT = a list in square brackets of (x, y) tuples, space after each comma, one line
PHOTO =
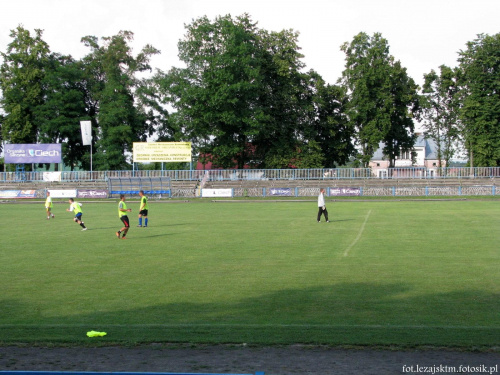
[(390, 273)]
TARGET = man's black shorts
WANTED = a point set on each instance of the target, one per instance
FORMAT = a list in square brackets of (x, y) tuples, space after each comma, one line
[(124, 218), (143, 212)]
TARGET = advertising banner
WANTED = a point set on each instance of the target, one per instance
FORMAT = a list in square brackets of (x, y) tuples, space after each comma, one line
[(95, 193), (283, 192), (149, 152), (345, 192), (216, 193), (32, 153), (52, 176), (12, 194), (63, 193)]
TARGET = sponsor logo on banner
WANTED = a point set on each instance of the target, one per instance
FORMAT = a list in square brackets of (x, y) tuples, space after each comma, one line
[(63, 193), (32, 153), (345, 192), (284, 192), (219, 193), (92, 193)]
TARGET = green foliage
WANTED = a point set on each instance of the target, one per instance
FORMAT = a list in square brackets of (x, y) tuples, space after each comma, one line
[(64, 107), (21, 82), (259, 273), (120, 120), (218, 91), (441, 106), (480, 110), (330, 126), (242, 97), (382, 97)]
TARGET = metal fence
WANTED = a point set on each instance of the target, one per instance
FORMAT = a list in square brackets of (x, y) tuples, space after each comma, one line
[(265, 174)]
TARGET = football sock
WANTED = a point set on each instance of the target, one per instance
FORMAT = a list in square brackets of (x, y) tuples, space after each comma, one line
[(146, 222), (82, 224), (140, 221)]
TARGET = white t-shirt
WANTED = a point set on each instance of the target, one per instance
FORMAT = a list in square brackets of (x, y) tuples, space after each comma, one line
[(321, 200)]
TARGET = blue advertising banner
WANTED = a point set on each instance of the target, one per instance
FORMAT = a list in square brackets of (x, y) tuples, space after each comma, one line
[(8, 194), (283, 192), (32, 153)]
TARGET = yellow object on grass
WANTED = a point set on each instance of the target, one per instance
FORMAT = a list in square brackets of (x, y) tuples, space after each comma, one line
[(96, 334)]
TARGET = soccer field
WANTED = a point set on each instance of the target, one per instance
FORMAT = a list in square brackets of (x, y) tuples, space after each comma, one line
[(380, 273)]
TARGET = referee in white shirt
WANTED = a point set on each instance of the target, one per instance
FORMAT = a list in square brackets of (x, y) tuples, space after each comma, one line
[(321, 206)]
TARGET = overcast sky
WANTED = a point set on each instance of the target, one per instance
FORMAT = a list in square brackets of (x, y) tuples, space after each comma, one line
[(422, 34)]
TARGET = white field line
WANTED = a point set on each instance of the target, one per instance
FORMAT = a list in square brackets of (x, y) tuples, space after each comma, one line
[(360, 233)]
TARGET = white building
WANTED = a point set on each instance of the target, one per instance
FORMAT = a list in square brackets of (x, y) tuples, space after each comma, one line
[(425, 164)]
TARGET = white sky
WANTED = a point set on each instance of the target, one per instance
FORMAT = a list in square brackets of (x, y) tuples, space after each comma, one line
[(422, 34)]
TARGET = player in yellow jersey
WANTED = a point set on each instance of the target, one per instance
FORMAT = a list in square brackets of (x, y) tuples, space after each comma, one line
[(77, 209), (122, 214), (48, 206), (143, 210)]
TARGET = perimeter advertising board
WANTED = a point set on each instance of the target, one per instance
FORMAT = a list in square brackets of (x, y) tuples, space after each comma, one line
[(12, 194), (150, 152), (345, 192), (32, 153), (216, 193)]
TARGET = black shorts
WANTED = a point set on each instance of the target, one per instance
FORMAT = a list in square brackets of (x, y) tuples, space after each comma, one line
[(143, 212), (125, 221)]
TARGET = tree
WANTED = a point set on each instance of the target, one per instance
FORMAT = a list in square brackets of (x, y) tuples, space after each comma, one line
[(382, 98), (217, 92), (286, 101), (21, 82), (479, 78), (330, 127), (64, 106), (241, 99), (119, 119), (441, 111)]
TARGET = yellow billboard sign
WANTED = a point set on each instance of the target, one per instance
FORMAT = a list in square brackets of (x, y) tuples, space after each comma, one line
[(149, 152)]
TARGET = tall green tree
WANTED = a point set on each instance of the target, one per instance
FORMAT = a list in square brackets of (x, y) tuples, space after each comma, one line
[(21, 81), (286, 101), (382, 98), (440, 111), (480, 92), (242, 98), (330, 127), (217, 93), (64, 107), (120, 121)]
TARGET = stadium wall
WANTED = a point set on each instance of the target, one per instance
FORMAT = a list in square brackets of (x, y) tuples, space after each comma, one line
[(250, 183), (262, 192)]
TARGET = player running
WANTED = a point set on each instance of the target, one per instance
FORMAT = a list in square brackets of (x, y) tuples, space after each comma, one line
[(76, 207), (122, 214)]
